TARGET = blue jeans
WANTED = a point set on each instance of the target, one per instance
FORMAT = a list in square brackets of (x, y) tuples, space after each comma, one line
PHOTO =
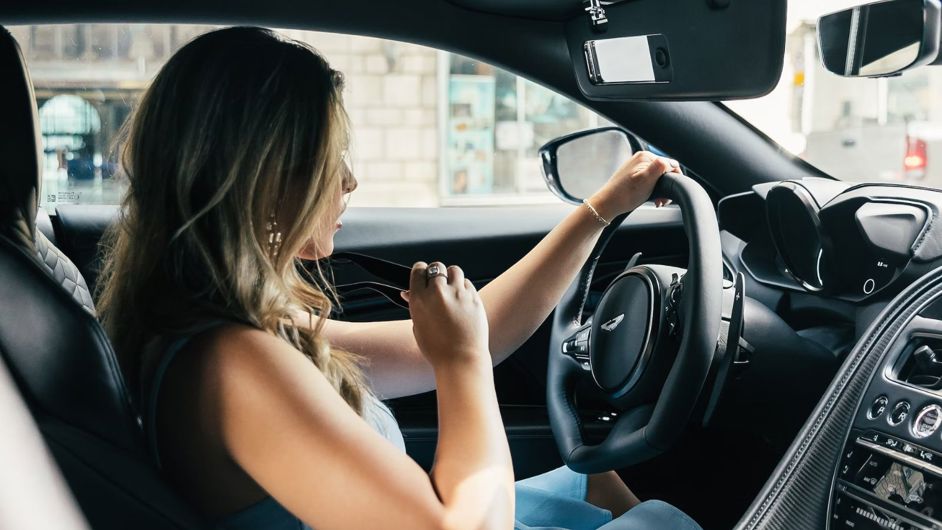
[(556, 501)]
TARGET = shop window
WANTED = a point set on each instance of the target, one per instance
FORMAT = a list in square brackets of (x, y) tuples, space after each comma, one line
[(494, 126)]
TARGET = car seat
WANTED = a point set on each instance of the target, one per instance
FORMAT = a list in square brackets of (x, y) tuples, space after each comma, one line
[(53, 346)]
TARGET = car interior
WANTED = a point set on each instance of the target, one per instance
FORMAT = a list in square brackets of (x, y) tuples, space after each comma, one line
[(780, 371)]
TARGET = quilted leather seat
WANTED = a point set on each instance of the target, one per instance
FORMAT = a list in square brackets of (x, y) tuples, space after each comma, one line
[(63, 271), (55, 349)]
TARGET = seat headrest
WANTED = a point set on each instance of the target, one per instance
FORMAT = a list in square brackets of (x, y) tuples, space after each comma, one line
[(20, 145)]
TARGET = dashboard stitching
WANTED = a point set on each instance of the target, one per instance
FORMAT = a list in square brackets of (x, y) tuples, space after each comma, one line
[(928, 229)]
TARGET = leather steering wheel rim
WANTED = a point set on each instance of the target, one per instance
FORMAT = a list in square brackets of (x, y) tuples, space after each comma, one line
[(641, 433)]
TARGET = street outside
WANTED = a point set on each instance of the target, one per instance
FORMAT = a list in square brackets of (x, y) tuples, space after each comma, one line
[(58, 190)]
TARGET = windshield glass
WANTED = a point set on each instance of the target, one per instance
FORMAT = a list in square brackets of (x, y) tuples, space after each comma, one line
[(855, 129)]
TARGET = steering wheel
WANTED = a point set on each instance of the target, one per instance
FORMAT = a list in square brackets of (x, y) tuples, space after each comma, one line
[(647, 348)]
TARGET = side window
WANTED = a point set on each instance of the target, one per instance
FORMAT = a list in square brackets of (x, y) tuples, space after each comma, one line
[(87, 78), (430, 128), (494, 123)]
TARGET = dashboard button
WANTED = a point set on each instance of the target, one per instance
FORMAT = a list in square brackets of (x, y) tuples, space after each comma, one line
[(869, 285), (927, 421), (877, 408), (892, 443), (930, 457), (899, 414)]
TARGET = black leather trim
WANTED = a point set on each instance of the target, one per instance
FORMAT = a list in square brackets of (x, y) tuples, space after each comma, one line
[(796, 495), (58, 353), (116, 489)]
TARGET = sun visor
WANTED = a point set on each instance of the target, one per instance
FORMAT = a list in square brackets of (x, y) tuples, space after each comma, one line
[(679, 49)]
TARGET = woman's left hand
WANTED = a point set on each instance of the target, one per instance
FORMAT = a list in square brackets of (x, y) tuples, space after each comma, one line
[(632, 184)]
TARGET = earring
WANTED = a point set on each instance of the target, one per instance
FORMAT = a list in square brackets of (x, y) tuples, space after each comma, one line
[(274, 236)]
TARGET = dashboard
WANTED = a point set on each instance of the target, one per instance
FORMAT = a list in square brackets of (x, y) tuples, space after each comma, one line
[(855, 243), (877, 433)]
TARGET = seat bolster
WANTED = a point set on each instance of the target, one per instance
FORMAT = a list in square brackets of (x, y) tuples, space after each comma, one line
[(58, 353), (64, 272), (44, 225)]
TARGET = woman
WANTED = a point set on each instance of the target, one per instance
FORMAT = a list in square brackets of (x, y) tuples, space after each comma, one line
[(253, 406)]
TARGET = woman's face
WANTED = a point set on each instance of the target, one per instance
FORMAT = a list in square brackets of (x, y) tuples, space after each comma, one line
[(321, 243)]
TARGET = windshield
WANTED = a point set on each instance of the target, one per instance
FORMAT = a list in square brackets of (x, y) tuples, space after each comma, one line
[(854, 129)]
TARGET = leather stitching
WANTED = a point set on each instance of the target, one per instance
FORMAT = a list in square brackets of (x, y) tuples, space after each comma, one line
[(64, 272)]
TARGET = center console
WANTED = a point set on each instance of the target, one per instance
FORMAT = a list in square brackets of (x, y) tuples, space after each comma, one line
[(889, 475)]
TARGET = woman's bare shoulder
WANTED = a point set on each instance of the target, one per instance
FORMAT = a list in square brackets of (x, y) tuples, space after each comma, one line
[(237, 347)]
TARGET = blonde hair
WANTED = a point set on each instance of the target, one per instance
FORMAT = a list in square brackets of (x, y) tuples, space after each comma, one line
[(239, 126)]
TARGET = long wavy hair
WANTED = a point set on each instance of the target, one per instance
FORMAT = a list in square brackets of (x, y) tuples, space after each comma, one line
[(241, 127)]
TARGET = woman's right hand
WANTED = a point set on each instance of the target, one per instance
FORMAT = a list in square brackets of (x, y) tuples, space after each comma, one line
[(448, 317)]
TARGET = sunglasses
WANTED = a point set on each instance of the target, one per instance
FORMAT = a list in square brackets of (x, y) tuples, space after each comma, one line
[(395, 277)]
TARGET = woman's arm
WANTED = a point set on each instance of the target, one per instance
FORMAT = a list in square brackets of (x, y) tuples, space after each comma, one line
[(517, 301), (286, 426)]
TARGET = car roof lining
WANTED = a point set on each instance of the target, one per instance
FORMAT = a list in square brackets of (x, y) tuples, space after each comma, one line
[(558, 10)]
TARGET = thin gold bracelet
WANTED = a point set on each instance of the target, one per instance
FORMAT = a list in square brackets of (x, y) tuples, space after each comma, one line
[(595, 212)]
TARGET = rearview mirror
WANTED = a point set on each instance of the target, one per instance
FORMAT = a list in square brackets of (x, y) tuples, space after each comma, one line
[(576, 165), (880, 39)]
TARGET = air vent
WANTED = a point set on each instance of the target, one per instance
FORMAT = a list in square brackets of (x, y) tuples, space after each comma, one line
[(923, 364)]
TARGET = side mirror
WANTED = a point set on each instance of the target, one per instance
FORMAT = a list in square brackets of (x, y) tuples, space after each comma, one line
[(881, 38), (578, 164)]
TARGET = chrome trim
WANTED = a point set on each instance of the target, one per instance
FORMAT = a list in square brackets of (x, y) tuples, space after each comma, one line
[(889, 417), (912, 462), (870, 415), (613, 323), (592, 62), (920, 414)]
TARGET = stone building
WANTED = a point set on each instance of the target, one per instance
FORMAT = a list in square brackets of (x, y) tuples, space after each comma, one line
[(429, 128)]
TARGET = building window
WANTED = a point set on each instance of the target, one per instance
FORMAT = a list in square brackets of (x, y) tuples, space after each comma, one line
[(495, 123)]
